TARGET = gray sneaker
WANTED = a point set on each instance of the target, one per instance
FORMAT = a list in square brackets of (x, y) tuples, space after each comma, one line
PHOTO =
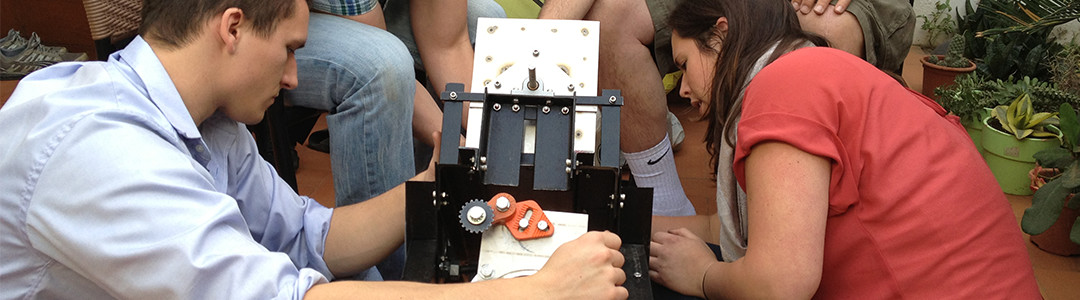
[(11, 69), (12, 44)]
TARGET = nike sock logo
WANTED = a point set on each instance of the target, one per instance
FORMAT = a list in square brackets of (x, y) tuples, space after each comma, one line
[(653, 162)]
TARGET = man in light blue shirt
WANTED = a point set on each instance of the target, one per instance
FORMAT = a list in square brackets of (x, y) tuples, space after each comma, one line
[(135, 178)]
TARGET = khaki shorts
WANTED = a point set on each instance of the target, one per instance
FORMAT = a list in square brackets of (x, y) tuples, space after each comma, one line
[(887, 25)]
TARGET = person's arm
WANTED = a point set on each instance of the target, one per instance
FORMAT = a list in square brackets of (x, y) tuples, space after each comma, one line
[(818, 6), (788, 193), (588, 267), (707, 227), (441, 31)]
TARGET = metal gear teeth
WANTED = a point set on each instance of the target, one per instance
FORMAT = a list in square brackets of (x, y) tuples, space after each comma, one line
[(488, 217)]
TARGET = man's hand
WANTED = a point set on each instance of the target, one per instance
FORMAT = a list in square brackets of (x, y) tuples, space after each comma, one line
[(818, 6), (589, 267), (678, 260)]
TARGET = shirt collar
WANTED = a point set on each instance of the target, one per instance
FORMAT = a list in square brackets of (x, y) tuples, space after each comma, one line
[(159, 86)]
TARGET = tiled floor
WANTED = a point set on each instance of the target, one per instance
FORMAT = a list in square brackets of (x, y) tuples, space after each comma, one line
[(1058, 276)]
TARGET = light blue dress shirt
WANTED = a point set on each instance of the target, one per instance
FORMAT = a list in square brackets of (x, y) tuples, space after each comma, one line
[(109, 190)]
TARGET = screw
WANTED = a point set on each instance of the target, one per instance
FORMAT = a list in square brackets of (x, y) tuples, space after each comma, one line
[(536, 53), (492, 29), (571, 87), (488, 58), (622, 197), (496, 107), (483, 167), (568, 170), (476, 215), (636, 274), (486, 271), (524, 223), (546, 109), (565, 110), (609, 100), (499, 85), (502, 204), (483, 159), (585, 31), (542, 225), (487, 81), (621, 204), (444, 194), (515, 108), (453, 95), (554, 30), (568, 162)]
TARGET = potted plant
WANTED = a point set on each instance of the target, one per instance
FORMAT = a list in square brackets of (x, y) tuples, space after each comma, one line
[(970, 99), (942, 70), (938, 25), (1008, 38), (1013, 134), (1053, 220)]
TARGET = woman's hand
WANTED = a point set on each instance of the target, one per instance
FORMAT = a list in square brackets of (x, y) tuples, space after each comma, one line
[(678, 260)]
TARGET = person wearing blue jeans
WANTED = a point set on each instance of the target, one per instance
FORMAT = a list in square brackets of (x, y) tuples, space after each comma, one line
[(363, 75)]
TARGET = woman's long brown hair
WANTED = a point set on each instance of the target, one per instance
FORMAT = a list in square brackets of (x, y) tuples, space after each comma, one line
[(753, 27)]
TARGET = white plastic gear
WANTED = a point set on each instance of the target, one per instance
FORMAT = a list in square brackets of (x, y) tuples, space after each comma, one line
[(463, 216)]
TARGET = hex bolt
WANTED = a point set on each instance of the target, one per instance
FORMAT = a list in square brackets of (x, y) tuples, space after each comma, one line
[(524, 223), (492, 29), (569, 162), (609, 100), (483, 159), (502, 204), (565, 110), (568, 170), (496, 107), (636, 274), (546, 109), (476, 215), (622, 197), (444, 194), (542, 225), (453, 95), (570, 87), (536, 53), (515, 108), (498, 85), (488, 58), (486, 271)]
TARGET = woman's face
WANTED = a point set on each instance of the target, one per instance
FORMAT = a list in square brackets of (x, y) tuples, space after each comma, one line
[(698, 68)]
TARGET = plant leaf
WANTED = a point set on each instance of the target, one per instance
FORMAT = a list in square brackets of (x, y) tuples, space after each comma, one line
[(1057, 158), (1070, 126), (1071, 177), (1046, 205)]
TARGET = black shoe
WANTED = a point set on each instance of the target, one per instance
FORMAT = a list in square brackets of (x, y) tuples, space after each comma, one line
[(319, 141)]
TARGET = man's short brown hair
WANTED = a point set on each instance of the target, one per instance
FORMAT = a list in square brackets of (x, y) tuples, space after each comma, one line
[(176, 22)]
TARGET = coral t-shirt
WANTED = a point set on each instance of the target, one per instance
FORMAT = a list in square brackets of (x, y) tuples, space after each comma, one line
[(914, 212)]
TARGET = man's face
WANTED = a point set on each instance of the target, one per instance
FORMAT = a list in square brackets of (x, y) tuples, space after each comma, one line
[(265, 65)]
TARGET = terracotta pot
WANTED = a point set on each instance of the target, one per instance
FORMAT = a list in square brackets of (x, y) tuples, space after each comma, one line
[(935, 75), (1056, 239)]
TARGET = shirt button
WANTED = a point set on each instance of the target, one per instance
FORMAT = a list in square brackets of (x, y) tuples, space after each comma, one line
[(200, 148)]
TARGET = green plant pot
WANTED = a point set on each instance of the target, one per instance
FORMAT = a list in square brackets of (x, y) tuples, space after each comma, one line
[(1010, 159), (974, 130)]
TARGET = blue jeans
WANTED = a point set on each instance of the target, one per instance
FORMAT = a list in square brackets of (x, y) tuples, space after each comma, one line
[(363, 77)]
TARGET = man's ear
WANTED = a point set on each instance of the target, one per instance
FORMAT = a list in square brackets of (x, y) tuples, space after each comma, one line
[(229, 27)]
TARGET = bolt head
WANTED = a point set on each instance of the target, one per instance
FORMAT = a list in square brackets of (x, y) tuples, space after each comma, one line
[(476, 215), (524, 223), (542, 225), (612, 99), (496, 107), (515, 108), (565, 110), (502, 204), (546, 109)]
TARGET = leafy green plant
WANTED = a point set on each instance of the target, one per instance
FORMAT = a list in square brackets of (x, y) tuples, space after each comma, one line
[(938, 24), (1065, 68), (1049, 200), (1020, 119), (1013, 38), (968, 97)]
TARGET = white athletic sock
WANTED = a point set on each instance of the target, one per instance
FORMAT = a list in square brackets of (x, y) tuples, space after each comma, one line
[(655, 168)]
